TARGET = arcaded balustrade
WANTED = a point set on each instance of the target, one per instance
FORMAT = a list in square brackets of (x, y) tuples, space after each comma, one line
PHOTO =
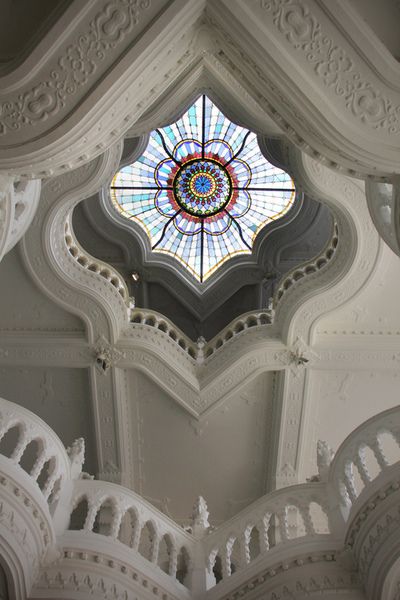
[(238, 326), (34, 447), (299, 511), (308, 268), (201, 350), (367, 452), (89, 508), (94, 265), (113, 511), (151, 318)]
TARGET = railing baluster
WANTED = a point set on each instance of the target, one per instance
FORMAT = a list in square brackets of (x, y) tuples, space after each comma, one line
[(376, 447), (361, 465)]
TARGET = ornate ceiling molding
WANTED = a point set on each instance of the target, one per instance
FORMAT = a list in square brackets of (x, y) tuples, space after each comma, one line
[(354, 261), (68, 110)]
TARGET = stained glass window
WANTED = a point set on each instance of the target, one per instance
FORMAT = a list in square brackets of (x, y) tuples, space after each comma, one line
[(202, 190)]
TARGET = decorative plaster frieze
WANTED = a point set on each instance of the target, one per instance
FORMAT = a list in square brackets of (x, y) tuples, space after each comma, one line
[(373, 535), (332, 64), (310, 43), (294, 577), (106, 43), (76, 67), (92, 573), (26, 528), (106, 355), (151, 46)]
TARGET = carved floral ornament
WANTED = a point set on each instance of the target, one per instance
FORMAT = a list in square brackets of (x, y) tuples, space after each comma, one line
[(333, 65), (43, 100), (75, 67)]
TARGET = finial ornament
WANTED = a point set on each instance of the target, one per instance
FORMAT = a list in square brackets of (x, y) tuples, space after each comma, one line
[(200, 516)]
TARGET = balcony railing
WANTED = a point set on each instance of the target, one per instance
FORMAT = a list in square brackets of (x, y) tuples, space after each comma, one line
[(314, 511)]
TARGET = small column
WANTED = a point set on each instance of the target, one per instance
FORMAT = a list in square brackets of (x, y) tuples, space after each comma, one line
[(20, 449), (135, 539), (377, 449), (38, 466), (199, 577), (349, 481), (263, 533), (155, 548)]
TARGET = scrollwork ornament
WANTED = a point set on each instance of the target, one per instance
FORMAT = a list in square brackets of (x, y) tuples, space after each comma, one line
[(333, 65), (75, 67)]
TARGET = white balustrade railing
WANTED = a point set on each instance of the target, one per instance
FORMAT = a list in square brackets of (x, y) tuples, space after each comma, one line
[(307, 511), (94, 265), (308, 268), (277, 518), (201, 349), (246, 321), (118, 513), (367, 452), (157, 321), (33, 445)]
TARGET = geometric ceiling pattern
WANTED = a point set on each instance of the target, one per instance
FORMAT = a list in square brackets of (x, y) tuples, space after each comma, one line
[(202, 190)]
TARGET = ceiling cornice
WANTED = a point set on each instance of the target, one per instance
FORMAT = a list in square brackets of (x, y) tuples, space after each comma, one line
[(347, 106)]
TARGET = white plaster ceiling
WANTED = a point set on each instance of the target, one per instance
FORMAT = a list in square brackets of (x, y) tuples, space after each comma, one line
[(23, 23), (24, 308), (60, 396), (374, 311), (223, 457), (383, 18), (341, 400)]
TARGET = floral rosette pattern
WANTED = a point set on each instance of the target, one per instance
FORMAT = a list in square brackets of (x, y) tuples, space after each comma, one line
[(202, 190)]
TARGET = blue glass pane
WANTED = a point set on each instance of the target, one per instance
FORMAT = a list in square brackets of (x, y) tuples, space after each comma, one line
[(202, 190)]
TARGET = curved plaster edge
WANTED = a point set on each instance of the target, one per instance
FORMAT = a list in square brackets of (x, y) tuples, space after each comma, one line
[(355, 259), (359, 133), (51, 265)]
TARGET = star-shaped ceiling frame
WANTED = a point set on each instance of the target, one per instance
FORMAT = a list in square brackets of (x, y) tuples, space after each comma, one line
[(202, 190)]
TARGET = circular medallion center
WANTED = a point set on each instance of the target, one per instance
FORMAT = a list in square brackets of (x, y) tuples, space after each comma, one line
[(202, 187)]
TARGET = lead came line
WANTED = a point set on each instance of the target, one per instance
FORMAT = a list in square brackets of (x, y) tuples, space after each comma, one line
[(262, 189), (239, 229), (239, 151), (203, 127), (240, 189), (166, 149), (201, 250), (134, 187), (165, 228)]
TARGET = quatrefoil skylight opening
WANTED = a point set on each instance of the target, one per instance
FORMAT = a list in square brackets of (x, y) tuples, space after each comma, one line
[(202, 190)]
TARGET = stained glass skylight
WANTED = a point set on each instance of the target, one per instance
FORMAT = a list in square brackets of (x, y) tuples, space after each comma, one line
[(202, 190)]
